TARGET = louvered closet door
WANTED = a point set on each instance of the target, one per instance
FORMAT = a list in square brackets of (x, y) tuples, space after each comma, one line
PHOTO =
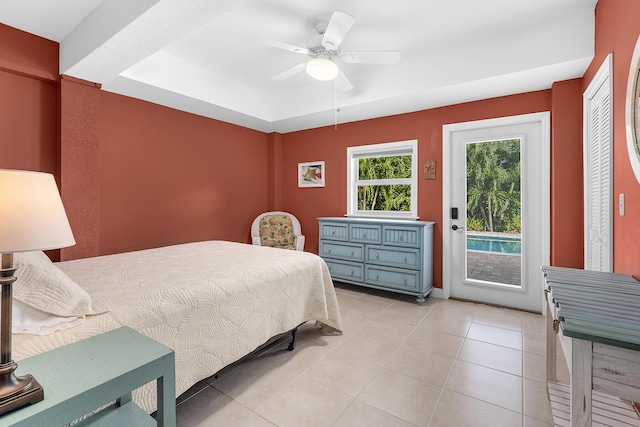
[(598, 182)]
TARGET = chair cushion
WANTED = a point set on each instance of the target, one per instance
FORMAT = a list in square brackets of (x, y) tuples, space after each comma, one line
[(277, 231)]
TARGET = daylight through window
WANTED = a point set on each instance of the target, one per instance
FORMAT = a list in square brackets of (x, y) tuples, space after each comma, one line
[(382, 180)]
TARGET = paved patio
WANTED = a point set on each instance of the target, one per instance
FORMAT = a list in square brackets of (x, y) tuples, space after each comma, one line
[(494, 267)]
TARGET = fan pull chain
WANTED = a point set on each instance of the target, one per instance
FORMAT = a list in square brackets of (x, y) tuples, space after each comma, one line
[(336, 109)]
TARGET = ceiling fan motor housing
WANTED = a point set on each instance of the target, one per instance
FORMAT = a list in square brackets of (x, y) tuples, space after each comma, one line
[(314, 44)]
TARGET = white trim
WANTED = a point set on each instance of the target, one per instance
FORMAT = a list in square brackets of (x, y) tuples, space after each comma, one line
[(436, 293), (447, 130), (604, 72), (544, 118), (630, 114)]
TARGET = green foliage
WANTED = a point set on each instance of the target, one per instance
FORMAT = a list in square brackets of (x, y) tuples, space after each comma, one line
[(384, 167), (512, 224), (493, 185), (384, 197), (474, 224)]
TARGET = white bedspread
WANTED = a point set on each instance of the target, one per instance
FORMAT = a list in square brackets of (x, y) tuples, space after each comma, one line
[(211, 302)]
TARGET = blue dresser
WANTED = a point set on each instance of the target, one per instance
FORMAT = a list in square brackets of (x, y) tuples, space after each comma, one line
[(394, 255)]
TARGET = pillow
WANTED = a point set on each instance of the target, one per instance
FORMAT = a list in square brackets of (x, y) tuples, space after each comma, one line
[(42, 285), (31, 321)]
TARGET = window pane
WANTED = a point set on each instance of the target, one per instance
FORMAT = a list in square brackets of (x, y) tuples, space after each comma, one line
[(384, 197), (384, 167), (493, 212)]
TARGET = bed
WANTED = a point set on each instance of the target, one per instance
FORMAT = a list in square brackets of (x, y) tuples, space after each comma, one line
[(211, 302)]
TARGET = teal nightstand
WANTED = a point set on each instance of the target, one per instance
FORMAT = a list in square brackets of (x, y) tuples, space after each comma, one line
[(83, 376)]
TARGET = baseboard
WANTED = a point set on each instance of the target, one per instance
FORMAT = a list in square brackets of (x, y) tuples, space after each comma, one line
[(437, 293)]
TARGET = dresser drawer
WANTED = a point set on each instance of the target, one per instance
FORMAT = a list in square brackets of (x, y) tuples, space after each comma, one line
[(365, 233), (394, 278), (334, 231), (401, 236), (346, 251), (394, 257), (345, 270)]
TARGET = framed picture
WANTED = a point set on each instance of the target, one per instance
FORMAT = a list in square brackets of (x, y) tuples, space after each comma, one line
[(311, 174)]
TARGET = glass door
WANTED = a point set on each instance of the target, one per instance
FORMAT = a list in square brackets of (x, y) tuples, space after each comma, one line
[(496, 225)]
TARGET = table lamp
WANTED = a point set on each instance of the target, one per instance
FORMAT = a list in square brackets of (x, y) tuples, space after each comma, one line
[(32, 218)]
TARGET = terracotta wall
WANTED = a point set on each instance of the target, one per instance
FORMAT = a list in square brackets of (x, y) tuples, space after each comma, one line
[(330, 144), (133, 175), (80, 164), (170, 177), (567, 182), (29, 98), (141, 175), (28, 101), (617, 30)]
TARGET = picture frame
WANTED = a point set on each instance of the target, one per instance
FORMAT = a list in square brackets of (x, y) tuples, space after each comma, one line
[(311, 174)]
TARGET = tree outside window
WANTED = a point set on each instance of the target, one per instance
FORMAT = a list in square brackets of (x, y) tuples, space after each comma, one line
[(493, 186), (382, 180)]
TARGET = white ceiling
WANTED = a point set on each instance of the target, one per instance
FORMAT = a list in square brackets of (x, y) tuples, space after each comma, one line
[(204, 56)]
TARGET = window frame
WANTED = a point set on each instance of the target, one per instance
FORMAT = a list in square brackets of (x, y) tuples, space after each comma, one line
[(408, 147)]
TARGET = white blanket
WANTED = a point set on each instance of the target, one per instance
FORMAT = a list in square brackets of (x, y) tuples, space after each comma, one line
[(211, 302)]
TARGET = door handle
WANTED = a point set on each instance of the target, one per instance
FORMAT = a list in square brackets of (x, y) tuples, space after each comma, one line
[(455, 227)]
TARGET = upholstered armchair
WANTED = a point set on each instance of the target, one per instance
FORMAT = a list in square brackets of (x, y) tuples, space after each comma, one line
[(278, 230)]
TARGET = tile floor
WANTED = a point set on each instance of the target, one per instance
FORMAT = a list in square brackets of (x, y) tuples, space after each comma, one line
[(445, 363)]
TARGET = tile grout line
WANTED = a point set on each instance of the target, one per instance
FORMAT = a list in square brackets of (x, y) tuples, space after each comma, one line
[(432, 312)]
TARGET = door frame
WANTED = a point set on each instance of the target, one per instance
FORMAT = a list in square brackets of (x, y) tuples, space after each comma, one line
[(447, 130)]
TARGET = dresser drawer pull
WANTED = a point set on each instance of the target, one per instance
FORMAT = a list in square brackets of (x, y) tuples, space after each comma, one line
[(404, 281), (364, 236), (352, 272), (378, 256), (400, 238), (353, 253), (377, 277), (333, 233), (328, 251), (405, 260)]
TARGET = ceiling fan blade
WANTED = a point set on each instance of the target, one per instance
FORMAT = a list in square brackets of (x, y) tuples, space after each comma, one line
[(283, 45), (342, 82), (289, 73), (338, 27), (371, 57)]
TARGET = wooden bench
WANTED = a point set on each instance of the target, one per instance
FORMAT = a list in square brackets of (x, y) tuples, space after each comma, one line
[(596, 317)]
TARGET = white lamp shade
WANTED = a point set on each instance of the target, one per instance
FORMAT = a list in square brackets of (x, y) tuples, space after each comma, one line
[(322, 69), (32, 216)]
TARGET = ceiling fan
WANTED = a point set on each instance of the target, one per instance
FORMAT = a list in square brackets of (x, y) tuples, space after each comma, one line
[(324, 49)]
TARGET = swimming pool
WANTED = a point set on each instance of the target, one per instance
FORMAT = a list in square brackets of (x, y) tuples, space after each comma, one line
[(497, 244)]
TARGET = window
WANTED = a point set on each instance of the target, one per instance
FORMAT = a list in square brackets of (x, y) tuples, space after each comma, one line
[(382, 180)]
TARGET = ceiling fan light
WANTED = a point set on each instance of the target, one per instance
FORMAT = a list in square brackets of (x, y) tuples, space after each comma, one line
[(322, 69)]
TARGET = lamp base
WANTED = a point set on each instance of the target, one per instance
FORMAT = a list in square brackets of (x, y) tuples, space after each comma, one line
[(16, 392)]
